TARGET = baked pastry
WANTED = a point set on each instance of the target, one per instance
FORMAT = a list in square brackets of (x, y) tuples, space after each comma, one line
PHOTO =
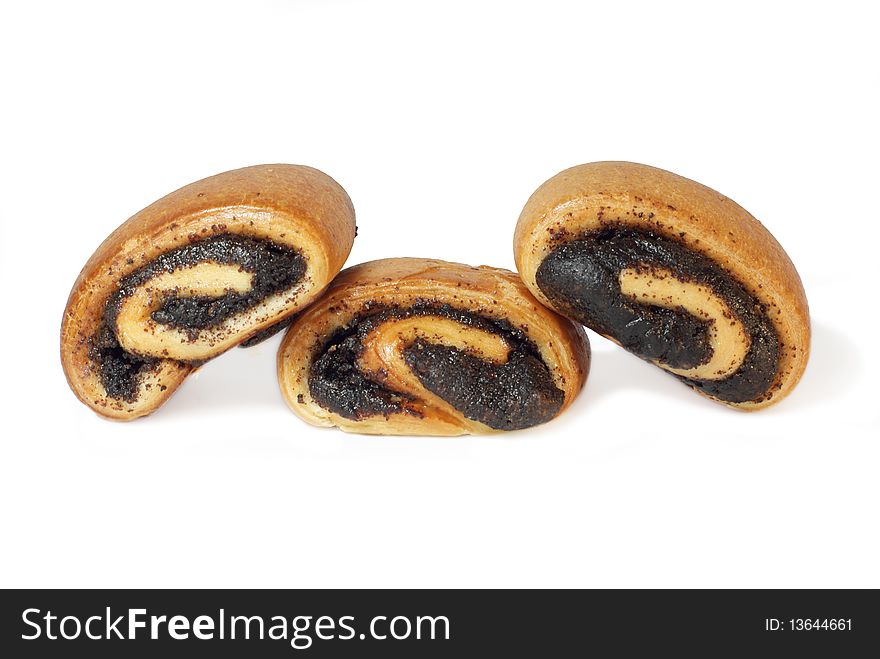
[(424, 347), (672, 271), (196, 273)]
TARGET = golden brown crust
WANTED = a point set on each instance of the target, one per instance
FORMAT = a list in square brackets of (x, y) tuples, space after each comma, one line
[(291, 205), (590, 196), (401, 282)]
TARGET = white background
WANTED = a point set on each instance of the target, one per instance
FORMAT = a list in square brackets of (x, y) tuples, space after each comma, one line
[(440, 120)]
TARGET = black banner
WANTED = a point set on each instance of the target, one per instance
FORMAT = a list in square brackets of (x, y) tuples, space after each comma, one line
[(419, 623)]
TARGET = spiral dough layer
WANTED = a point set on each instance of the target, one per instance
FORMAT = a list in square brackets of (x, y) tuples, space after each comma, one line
[(426, 347)]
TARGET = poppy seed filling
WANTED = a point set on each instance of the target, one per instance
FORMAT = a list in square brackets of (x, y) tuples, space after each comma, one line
[(581, 277), (275, 268), (516, 394)]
